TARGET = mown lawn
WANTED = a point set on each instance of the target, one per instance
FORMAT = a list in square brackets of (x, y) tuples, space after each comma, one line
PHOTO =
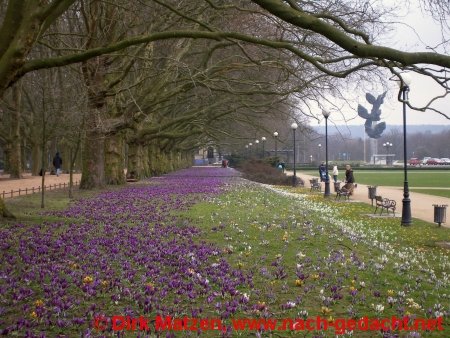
[(435, 192), (416, 178), (204, 244), (328, 258)]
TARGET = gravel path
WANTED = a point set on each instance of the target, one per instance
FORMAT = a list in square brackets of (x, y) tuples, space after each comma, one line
[(29, 182)]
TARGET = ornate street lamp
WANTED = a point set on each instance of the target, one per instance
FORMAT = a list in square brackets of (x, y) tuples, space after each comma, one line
[(256, 148), (294, 178), (403, 97), (387, 145), (275, 134), (263, 139), (326, 114)]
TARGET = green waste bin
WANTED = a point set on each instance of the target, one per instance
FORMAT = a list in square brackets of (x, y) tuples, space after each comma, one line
[(372, 192), (440, 213)]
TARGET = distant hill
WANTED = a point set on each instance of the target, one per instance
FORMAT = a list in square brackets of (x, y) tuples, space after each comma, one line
[(358, 131)]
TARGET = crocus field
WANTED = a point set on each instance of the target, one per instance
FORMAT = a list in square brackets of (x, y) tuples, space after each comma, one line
[(204, 243)]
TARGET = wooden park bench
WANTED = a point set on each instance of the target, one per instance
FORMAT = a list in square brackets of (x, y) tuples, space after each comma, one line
[(384, 204), (315, 185)]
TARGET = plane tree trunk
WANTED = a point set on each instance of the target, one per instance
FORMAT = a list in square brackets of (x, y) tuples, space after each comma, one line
[(15, 156), (135, 167), (114, 165)]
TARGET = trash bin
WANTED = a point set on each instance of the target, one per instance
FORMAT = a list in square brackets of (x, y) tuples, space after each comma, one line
[(372, 192), (439, 213)]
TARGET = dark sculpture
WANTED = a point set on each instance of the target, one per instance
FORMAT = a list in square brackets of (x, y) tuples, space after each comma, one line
[(373, 129)]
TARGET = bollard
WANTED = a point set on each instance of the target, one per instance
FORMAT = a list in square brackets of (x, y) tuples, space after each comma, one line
[(439, 213), (372, 192)]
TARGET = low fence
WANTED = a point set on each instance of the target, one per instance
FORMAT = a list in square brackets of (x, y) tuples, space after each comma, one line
[(26, 191)]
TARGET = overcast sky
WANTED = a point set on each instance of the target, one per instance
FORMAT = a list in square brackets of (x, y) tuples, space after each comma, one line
[(422, 89)]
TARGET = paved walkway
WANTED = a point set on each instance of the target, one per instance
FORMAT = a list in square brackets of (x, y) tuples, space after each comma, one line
[(421, 204), (29, 182)]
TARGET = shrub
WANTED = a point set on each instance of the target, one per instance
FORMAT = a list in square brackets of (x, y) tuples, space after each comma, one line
[(261, 171)]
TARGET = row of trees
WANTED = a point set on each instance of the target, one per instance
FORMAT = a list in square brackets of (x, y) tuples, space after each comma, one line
[(159, 78)]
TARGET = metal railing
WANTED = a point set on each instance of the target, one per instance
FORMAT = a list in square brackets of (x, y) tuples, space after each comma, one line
[(26, 191)]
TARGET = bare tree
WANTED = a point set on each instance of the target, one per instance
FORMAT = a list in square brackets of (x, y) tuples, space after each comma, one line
[(255, 58)]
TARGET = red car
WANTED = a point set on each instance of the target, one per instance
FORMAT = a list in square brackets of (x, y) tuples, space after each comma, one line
[(414, 161), (433, 161)]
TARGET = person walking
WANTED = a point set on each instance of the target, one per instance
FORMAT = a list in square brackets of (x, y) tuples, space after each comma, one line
[(335, 173), (349, 180), (57, 163), (281, 167), (322, 172)]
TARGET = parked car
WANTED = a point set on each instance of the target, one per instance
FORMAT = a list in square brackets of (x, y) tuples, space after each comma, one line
[(414, 161), (433, 161), (425, 159), (445, 161)]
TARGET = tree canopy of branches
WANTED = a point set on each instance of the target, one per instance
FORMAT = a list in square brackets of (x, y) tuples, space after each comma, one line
[(162, 77)]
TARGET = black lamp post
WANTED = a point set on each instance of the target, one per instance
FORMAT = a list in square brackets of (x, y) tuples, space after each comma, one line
[(275, 134), (326, 114), (256, 149), (387, 145), (263, 139), (246, 150), (406, 202), (250, 149), (294, 178), (320, 153)]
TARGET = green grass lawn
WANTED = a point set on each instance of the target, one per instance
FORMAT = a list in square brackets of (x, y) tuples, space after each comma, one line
[(416, 178), (435, 192), (327, 258)]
